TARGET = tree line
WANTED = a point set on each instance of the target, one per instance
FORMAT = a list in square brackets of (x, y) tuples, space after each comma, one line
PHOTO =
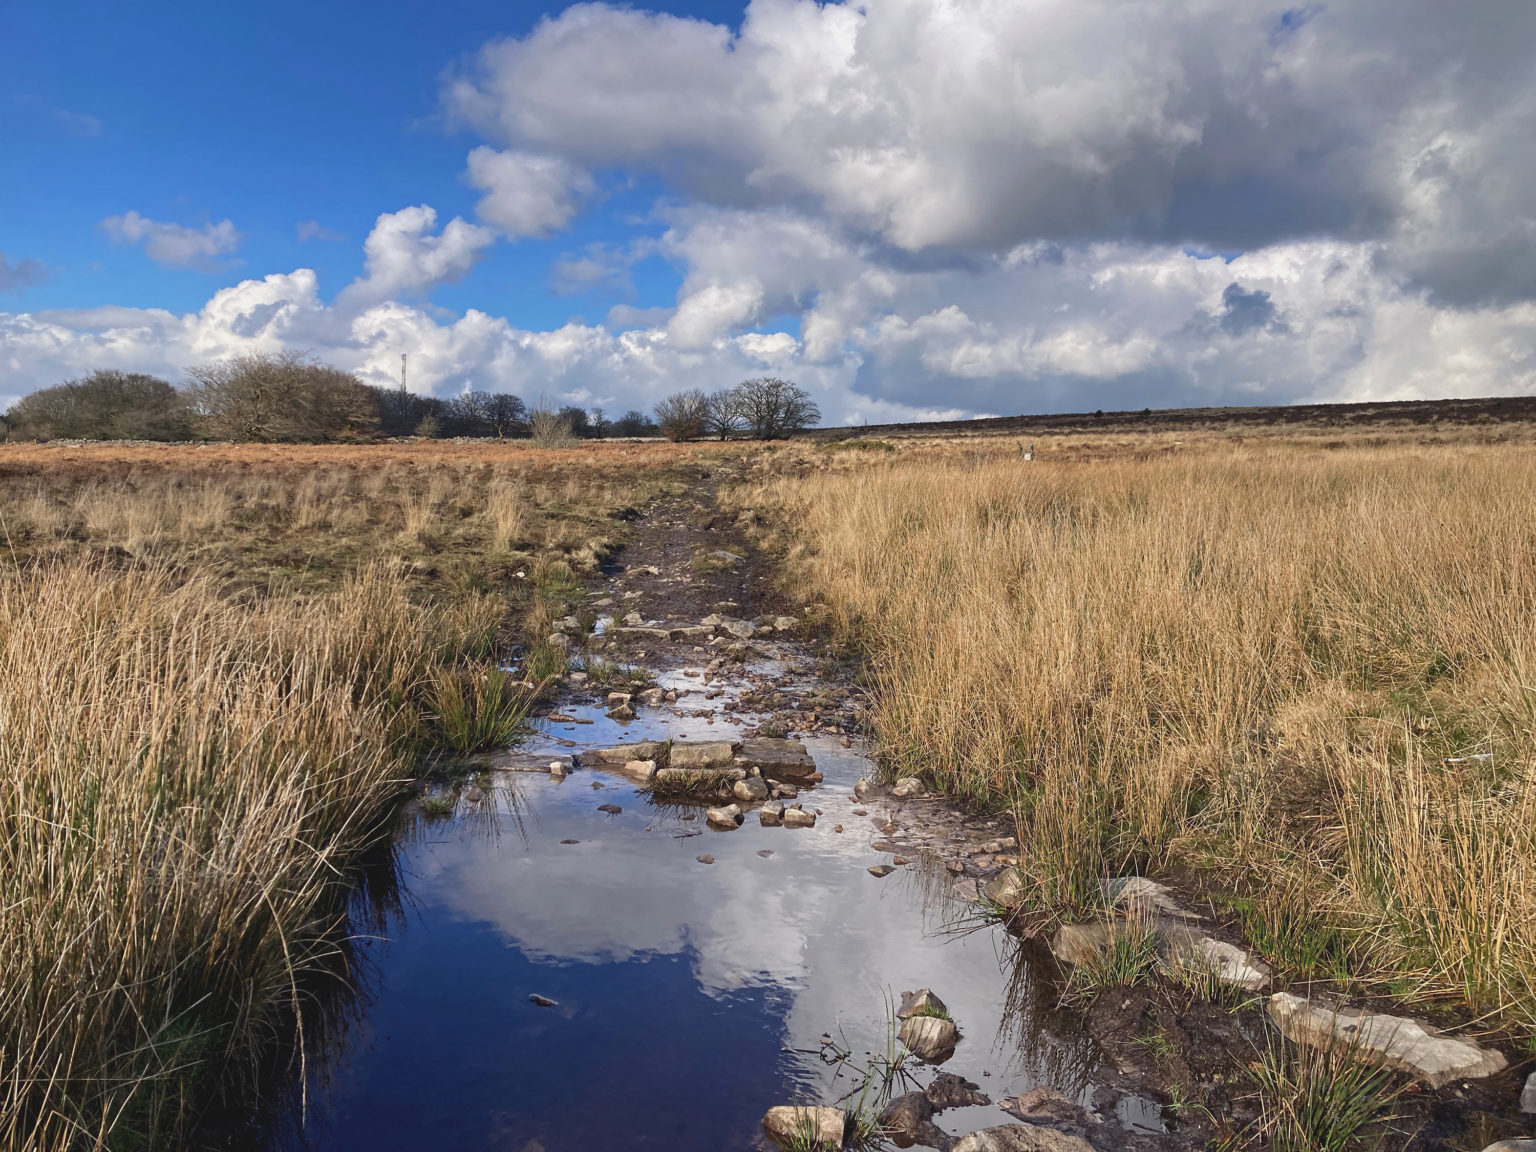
[(291, 397)]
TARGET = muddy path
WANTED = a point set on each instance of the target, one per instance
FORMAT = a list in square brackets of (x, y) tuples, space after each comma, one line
[(582, 959)]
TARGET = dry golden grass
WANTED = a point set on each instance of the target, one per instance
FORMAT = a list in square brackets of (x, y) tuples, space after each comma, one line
[(1308, 675), (217, 674)]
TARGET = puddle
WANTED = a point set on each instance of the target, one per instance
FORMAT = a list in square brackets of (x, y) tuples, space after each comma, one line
[(689, 997)]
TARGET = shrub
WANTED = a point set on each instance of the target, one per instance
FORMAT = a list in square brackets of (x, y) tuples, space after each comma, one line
[(106, 405), (281, 397), (682, 415)]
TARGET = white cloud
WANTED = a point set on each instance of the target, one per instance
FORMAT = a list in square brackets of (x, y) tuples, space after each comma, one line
[(173, 245), (402, 256), (526, 194)]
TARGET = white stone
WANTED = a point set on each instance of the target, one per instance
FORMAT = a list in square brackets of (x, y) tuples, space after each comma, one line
[(906, 787), (1528, 1094), (1190, 949), (798, 818), (1401, 1043)]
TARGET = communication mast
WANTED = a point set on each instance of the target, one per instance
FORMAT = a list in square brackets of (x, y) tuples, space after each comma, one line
[(402, 373)]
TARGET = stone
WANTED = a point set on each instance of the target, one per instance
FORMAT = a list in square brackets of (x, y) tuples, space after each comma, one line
[(1079, 943), (772, 813), (907, 787), (623, 753), (628, 633), (920, 1003), (542, 1001), (706, 858), (1189, 948), (777, 759), (908, 1120), (559, 641), (1528, 1094), (750, 789), (796, 818), (713, 620), (650, 697), (557, 770), (1021, 1138), (694, 633), (1402, 1043), (878, 871), (727, 817), (611, 809), (951, 1091), (788, 791), (711, 754), (1515, 1144), (929, 1038), (521, 762), (740, 629), (1006, 889), (622, 712), (765, 852), (1139, 896), (784, 623), (568, 624), (1049, 1106), (617, 698), (862, 788), (641, 770), (634, 620), (796, 1126)]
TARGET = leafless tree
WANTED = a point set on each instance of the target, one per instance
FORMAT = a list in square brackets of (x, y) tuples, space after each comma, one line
[(682, 415), (772, 409)]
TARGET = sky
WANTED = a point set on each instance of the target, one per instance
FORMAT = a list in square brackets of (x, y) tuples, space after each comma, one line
[(916, 209)]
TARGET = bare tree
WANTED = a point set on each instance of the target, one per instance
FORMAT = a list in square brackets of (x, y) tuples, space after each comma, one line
[(727, 415), (280, 397), (682, 415), (772, 409)]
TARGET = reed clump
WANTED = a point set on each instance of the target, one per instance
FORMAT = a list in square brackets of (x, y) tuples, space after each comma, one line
[(1303, 674)]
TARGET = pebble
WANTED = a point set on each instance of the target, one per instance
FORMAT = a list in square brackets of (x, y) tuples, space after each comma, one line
[(611, 809), (542, 1001), (880, 871), (570, 841), (765, 852), (706, 858)]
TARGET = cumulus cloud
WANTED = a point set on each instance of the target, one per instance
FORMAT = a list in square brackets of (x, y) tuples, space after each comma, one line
[(174, 245), (402, 255), (526, 194), (16, 278)]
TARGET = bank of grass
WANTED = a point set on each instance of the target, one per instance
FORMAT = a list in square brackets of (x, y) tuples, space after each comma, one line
[(220, 669), (1304, 673)]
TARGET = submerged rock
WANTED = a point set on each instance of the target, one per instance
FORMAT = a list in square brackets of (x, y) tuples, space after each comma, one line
[(929, 1038), (1050, 1106), (920, 1003), (726, 817), (1402, 1043), (951, 1091), (611, 809), (878, 871), (908, 1120), (706, 858), (793, 1126), (1021, 1138), (623, 753), (542, 1001)]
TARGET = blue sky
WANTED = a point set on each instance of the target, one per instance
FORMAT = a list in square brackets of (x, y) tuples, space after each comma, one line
[(915, 208)]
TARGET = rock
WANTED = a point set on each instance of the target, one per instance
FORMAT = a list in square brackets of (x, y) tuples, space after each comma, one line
[(796, 818), (611, 809), (713, 620), (521, 762), (617, 698), (788, 791), (623, 753), (474, 795), (929, 1038), (628, 633), (1517, 1144), (772, 813), (699, 781), (568, 624), (777, 759), (557, 770), (878, 871), (791, 1126), (706, 858), (542, 1001), (765, 852), (643, 569), (740, 629), (1528, 1094), (713, 754), (1006, 889), (622, 712), (1021, 1138), (559, 641), (641, 770), (908, 1120), (694, 633), (634, 620), (750, 789), (650, 697), (727, 817), (920, 1003), (907, 787), (1051, 1107), (1191, 949), (862, 788), (784, 623), (1139, 896), (1402, 1043), (951, 1091), (1079, 943)]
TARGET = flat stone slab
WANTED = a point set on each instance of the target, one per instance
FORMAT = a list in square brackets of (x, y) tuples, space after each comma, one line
[(621, 754), (777, 759), (1142, 897), (694, 632), (710, 754), (1021, 1138), (630, 633), (523, 762), (1408, 1045), (1190, 948)]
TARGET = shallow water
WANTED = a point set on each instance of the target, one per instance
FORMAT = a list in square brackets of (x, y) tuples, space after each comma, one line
[(690, 997)]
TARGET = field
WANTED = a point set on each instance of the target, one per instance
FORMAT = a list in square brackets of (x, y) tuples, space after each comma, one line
[(221, 667), (1294, 671)]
